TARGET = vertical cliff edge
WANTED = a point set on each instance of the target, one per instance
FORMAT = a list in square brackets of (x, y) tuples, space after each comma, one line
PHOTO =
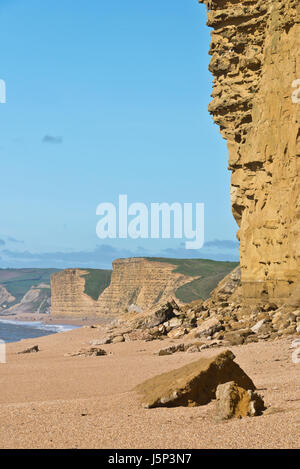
[(255, 47)]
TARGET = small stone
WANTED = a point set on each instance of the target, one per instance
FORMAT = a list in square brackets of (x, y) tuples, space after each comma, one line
[(171, 350), (33, 349), (105, 340), (118, 339), (234, 401), (233, 338), (177, 333), (175, 322), (92, 351), (258, 326), (207, 328)]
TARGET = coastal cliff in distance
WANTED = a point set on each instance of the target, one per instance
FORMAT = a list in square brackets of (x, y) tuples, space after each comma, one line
[(25, 291), (143, 282), (255, 48)]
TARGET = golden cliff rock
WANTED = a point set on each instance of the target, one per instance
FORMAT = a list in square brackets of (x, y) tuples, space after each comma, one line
[(255, 48)]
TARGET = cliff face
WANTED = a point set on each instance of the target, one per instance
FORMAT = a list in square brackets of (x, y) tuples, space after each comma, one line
[(134, 281), (36, 300), (142, 282), (5, 298), (255, 51), (67, 294)]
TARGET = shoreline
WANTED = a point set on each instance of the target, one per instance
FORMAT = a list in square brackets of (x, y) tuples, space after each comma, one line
[(48, 319)]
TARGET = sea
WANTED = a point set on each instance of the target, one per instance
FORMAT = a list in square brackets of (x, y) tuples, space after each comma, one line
[(14, 331)]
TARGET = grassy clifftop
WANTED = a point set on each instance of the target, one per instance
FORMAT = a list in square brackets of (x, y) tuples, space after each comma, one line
[(19, 281), (207, 273), (210, 273), (96, 281)]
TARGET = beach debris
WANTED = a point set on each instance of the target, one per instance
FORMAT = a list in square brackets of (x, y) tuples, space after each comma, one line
[(163, 314), (234, 401), (207, 328), (171, 350), (256, 328), (177, 333), (190, 347), (193, 384), (118, 339), (138, 334), (33, 349), (88, 352), (233, 338), (105, 340)]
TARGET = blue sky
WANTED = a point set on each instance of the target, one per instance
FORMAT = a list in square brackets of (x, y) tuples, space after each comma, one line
[(105, 98)]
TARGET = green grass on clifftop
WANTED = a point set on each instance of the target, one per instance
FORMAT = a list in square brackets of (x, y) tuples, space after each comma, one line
[(96, 281), (210, 273), (18, 281)]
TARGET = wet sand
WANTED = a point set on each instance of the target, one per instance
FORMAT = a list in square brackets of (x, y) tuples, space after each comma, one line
[(48, 319), (49, 400)]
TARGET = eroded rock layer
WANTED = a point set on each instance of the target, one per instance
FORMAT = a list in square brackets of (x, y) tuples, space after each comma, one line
[(255, 51), (5, 298), (137, 281)]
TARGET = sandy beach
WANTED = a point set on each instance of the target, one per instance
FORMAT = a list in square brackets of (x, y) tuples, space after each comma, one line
[(49, 400)]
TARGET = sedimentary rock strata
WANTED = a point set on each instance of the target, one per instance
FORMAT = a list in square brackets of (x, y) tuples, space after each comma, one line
[(219, 320), (36, 300), (137, 281), (255, 48)]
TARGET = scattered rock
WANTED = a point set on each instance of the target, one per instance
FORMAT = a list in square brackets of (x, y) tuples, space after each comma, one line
[(92, 351), (193, 384), (251, 339), (105, 340), (207, 328), (193, 349), (211, 344), (233, 338), (171, 350), (138, 334), (163, 314), (258, 326), (234, 401), (118, 339), (177, 333), (175, 322), (33, 349)]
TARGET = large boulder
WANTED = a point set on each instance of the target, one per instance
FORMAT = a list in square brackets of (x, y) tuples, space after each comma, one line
[(161, 315), (193, 384), (207, 328), (234, 401)]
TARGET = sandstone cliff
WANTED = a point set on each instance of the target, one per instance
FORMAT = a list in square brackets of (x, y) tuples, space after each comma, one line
[(137, 281), (142, 283), (5, 298), (255, 51), (68, 297), (36, 300)]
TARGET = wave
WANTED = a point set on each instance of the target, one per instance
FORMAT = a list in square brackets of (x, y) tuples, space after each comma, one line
[(40, 325)]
